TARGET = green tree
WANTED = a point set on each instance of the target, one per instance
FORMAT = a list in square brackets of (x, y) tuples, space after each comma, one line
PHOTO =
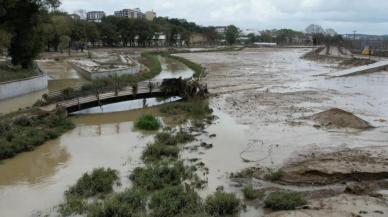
[(5, 40), (232, 34), (64, 43), (24, 19), (62, 25), (92, 33)]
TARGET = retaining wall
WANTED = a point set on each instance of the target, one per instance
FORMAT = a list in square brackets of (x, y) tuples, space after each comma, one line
[(104, 74), (21, 87)]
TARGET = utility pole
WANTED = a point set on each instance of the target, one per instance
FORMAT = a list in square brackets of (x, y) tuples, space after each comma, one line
[(354, 34)]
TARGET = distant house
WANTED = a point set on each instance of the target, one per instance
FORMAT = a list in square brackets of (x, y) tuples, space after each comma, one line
[(198, 39), (75, 16), (150, 15), (159, 39), (221, 30), (130, 13), (95, 16)]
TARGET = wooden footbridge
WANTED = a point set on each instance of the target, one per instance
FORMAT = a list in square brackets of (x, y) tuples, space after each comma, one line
[(143, 90)]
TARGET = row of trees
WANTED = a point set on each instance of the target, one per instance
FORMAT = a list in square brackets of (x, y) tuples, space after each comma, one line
[(61, 31), (29, 26)]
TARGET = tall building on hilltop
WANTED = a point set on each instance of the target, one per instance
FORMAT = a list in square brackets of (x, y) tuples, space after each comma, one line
[(95, 16), (130, 13)]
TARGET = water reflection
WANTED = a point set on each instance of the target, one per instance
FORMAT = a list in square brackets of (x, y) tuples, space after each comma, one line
[(127, 105), (14, 104), (98, 141), (172, 68), (34, 167)]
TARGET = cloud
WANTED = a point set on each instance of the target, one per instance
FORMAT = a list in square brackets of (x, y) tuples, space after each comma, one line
[(342, 15)]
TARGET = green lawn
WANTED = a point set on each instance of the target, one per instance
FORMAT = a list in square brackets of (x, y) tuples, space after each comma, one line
[(9, 73)]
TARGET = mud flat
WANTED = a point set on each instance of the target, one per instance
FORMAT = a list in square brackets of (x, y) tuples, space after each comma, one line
[(274, 93), (367, 164), (343, 205)]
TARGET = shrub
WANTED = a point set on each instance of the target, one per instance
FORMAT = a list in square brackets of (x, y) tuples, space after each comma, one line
[(133, 198), (156, 151), (148, 122), (130, 203), (284, 200), (113, 208), (22, 121), (166, 139), (194, 108), (183, 137), (157, 177), (100, 181), (221, 203), (274, 175), (174, 200), (249, 193), (72, 205)]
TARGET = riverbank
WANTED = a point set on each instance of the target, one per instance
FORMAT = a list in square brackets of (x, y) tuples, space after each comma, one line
[(25, 130), (11, 73)]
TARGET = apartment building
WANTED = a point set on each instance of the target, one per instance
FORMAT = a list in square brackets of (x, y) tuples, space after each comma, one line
[(130, 13), (95, 16)]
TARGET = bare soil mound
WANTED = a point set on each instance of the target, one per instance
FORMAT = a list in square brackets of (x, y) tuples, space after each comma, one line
[(344, 205), (337, 118), (346, 165)]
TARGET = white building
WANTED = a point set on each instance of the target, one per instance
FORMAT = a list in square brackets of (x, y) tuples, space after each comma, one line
[(130, 13), (246, 32), (95, 16), (221, 29), (150, 15)]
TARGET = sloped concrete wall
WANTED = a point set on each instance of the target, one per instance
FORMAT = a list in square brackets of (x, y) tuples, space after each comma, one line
[(21, 87)]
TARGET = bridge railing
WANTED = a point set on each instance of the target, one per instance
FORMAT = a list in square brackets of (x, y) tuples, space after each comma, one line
[(78, 91)]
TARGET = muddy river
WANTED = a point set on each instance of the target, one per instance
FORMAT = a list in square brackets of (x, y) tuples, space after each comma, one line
[(261, 98)]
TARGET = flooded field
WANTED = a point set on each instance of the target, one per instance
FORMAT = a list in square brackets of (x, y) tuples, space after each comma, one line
[(262, 99)]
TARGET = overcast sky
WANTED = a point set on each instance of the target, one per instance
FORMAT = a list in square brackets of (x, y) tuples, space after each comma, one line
[(365, 16)]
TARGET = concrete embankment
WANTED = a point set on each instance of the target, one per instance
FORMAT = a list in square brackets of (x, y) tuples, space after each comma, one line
[(379, 66), (21, 87)]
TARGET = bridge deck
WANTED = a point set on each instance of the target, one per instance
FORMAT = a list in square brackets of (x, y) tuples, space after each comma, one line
[(382, 65), (84, 102)]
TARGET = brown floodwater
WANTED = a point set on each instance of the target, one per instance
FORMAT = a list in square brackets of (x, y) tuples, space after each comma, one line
[(263, 122)]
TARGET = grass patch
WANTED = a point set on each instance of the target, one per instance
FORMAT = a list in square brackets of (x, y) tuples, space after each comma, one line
[(156, 152), (183, 137), (274, 175), (174, 200), (25, 131), (166, 139), (249, 193), (130, 203), (245, 173), (194, 108), (284, 200), (148, 122), (10, 73), (99, 181), (221, 203), (156, 177)]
